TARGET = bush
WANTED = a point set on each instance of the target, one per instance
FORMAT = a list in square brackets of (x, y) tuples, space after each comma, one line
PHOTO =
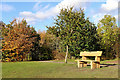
[(45, 53), (58, 55)]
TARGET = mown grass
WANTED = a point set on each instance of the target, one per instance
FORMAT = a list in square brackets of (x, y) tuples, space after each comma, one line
[(54, 70)]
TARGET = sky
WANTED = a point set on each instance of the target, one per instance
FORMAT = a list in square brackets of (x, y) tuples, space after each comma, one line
[(40, 14)]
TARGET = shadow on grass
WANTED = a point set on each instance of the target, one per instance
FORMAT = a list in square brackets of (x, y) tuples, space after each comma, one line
[(107, 65)]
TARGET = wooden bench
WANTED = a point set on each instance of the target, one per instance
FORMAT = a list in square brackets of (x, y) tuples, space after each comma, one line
[(94, 63)]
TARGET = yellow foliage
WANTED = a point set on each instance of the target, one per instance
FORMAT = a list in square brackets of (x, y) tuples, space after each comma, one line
[(7, 59), (13, 53)]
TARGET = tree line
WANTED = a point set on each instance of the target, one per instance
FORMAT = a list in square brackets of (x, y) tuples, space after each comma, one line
[(21, 42), (70, 34)]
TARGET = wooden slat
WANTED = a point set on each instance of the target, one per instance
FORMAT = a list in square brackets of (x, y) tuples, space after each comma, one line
[(78, 64), (98, 65), (88, 61), (97, 58), (84, 58), (93, 65), (92, 53)]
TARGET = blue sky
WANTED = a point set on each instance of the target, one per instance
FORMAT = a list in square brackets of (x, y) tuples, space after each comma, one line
[(42, 14)]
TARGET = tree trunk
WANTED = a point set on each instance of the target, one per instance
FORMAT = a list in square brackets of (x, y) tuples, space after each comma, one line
[(28, 57), (66, 54)]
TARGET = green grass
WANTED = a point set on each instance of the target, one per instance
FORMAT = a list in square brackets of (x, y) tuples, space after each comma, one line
[(54, 70)]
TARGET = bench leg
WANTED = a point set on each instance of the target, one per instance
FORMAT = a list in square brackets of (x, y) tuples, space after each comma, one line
[(93, 65), (78, 64), (83, 64), (98, 64)]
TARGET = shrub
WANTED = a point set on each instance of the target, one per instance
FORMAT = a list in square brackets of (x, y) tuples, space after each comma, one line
[(58, 55)]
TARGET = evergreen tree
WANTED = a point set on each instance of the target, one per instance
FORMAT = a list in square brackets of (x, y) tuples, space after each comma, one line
[(76, 32)]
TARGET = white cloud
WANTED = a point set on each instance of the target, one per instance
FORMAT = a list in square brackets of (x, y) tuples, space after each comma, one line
[(46, 7), (110, 8), (26, 13), (43, 12), (98, 17), (116, 16), (6, 8), (37, 6), (29, 16), (110, 5), (70, 3)]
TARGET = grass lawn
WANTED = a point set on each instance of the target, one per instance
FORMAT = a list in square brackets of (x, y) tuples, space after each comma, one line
[(39, 69)]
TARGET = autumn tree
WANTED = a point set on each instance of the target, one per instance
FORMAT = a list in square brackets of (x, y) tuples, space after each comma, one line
[(18, 39), (2, 24), (76, 32)]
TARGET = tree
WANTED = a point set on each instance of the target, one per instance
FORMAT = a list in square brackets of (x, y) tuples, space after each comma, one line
[(107, 31), (74, 31), (35, 50), (18, 41), (116, 46), (47, 45), (2, 24)]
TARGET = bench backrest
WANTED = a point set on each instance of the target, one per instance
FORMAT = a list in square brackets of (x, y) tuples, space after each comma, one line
[(92, 53), (97, 54)]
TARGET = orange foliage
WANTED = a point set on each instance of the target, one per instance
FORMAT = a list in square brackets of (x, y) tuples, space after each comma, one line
[(18, 40)]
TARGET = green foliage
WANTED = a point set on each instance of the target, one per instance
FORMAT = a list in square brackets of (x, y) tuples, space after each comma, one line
[(74, 30), (108, 33), (21, 42), (46, 46)]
